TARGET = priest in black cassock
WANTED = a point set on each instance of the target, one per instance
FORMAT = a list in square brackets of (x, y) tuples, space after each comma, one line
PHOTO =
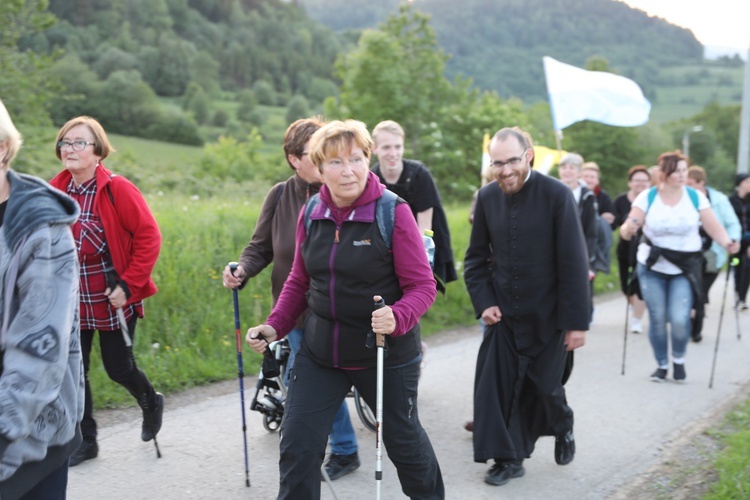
[(526, 270)]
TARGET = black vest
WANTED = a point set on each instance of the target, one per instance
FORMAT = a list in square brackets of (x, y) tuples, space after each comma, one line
[(344, 276)]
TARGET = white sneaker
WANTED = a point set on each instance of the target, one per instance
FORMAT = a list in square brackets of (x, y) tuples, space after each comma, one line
[(635, 326)]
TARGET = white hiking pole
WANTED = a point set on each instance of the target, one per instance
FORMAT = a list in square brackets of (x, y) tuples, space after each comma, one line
[(111, 279), (379, 343)]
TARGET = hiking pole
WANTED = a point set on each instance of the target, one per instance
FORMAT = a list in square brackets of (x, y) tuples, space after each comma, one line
[(625, 338), (379, 342), (732, 263), (240, 372), (111, 278)]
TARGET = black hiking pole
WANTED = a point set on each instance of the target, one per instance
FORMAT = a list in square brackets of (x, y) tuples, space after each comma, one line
[(111, 277), (628, 287), (240, 372), (731, 264), (379, 342)]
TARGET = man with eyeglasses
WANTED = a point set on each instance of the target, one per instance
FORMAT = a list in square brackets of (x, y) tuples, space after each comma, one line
[(527, 276)]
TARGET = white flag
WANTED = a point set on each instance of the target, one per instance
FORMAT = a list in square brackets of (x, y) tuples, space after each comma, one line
[(576, 94)]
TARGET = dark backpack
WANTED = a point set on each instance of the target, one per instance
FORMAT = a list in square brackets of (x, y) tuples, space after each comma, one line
[(385, 215), (601, 260)]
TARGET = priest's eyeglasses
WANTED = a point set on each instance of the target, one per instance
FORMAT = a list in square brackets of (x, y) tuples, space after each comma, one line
[(512, 162)]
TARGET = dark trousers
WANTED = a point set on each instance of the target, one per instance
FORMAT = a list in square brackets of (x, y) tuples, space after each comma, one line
[(118, 364), (742, 274), (52, 487), (316, 393), (700, 313)]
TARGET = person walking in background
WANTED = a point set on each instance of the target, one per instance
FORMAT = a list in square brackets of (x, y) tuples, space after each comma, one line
[(411, 180), (41, 374), (714, 256), (591, 175), (273, 243), (740, 201), (342, 264), (526, 271), (569, 171), (638, 180), (670, 258), (116, 232)]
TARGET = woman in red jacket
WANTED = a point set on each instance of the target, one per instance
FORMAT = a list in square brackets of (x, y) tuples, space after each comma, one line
[(116, 233)]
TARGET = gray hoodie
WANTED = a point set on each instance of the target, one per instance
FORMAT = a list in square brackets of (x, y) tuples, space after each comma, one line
[(41, 382)]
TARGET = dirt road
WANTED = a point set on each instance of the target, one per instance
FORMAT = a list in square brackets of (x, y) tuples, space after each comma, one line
[(624, 425)]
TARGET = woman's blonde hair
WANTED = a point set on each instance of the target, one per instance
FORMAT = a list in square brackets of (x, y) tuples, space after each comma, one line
[(337, 136), (10, 136), (102, 147)]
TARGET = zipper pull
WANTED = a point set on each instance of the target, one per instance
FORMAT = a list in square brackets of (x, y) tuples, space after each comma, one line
[(336, 237)]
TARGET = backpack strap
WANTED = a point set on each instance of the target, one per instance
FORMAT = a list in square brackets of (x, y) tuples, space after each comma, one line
[(693, 196), (385, 215), (691, 192)]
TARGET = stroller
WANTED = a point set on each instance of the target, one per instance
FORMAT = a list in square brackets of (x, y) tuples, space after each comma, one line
[(270, 393)]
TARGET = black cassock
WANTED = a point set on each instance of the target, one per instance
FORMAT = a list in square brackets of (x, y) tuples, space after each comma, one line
[(527, 255)]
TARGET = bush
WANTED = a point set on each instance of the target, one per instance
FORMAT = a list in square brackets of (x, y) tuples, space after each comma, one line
[(297, 108), (248, 103), (221, 118), (264, 93), (174, 126)]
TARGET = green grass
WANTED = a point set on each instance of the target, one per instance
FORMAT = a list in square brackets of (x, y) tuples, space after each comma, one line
[(686, 89), (733, 461)]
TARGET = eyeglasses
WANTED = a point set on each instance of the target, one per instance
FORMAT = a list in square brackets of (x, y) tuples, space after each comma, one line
[(513, 162), (76, 145)]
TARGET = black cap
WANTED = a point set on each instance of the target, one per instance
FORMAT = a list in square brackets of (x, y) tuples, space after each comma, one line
[(740, 177)]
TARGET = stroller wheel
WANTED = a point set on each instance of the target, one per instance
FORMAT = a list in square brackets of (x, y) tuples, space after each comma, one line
[(271, 422)]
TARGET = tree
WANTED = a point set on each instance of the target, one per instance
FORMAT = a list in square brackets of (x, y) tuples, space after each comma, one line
[(248, 103), (23, 88), (297, 108), (396, 73)]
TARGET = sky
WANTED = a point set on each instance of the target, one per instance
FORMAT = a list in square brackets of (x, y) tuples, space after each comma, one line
[(713, 22)]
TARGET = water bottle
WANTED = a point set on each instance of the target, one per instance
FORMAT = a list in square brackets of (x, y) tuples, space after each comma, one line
[(429, 246)]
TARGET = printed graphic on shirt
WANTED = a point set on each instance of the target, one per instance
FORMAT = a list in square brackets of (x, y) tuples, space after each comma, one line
[(41, 344)]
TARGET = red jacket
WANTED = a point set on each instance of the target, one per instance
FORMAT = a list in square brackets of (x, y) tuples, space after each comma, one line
[(131, 231)]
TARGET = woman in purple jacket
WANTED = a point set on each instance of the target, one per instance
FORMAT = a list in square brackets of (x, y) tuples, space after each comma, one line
[(342, 264)]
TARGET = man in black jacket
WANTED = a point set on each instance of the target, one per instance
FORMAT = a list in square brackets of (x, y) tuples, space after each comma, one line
[(527, 275), (411, 180)]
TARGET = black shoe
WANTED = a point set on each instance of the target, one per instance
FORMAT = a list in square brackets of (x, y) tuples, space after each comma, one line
[(678, 372), (565, 448), (502, 472), (152, 419), (341, 465), (86, 451), (659, 375)]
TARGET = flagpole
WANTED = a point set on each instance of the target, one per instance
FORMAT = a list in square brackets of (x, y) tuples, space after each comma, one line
[(744, 146)]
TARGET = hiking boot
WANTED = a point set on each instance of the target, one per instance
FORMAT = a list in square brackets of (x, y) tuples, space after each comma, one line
[(660, 375), (565, 448), (152, 419), (86, 451), (678, 372), (341, 465), (502, 472)]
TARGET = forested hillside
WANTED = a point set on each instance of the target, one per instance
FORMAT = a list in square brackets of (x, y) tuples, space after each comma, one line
[(119, 55), (500, 43)]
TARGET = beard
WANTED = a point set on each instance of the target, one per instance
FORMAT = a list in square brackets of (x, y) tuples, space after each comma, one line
[(512, 182)]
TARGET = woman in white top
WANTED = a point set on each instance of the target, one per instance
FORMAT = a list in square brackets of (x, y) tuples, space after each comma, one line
[(669, 257)]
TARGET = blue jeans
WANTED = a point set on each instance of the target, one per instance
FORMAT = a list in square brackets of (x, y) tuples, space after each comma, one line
[(342, 438), (669, 299)]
